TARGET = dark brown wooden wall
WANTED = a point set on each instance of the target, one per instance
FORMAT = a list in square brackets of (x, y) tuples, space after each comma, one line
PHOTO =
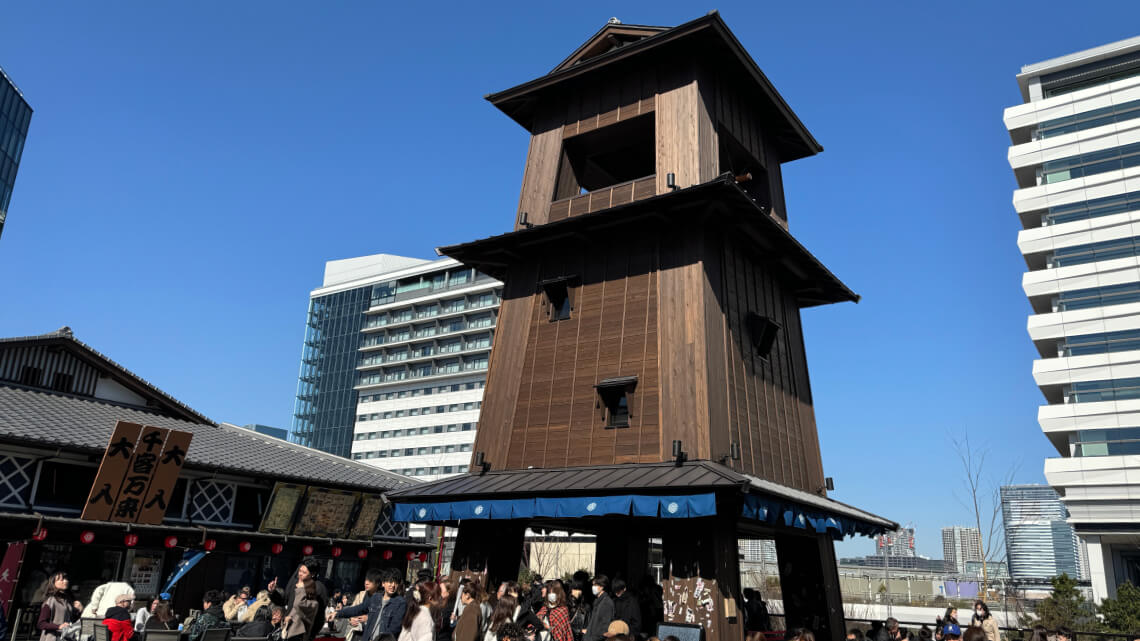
[(545, 413), (766, 401)]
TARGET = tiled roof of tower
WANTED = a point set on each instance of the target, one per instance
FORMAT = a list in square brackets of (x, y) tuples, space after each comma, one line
[(43, 418), (705, 36)]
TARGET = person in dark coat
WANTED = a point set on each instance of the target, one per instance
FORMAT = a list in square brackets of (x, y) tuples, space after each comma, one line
[(603, 610), (579, 609), (385, 608), (283, 595), (627, 608)]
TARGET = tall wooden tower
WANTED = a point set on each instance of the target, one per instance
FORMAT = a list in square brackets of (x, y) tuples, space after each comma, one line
[(653, 292)]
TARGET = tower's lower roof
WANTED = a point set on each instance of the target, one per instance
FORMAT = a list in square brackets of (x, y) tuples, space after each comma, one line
[(720, 199)]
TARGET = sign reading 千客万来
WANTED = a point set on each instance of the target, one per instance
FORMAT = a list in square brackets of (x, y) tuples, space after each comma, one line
[(137, 475)]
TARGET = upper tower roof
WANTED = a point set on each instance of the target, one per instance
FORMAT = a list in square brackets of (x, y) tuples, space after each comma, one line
[(706, 40)]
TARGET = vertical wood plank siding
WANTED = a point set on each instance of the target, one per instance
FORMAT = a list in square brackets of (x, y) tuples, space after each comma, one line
[(50, 362)]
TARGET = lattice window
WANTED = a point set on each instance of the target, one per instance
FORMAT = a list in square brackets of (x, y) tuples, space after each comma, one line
[(213, 501), (386, 528), (16, 475)]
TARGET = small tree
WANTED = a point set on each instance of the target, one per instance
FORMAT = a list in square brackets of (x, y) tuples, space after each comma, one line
[(984, 502), (1066, 606), (1122, 614)]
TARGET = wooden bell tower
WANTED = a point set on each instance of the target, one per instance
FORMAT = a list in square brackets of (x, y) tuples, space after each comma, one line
[(652, 289)]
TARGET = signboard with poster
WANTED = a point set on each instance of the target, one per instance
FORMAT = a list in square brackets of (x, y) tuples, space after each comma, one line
[(144, 572), (137, 474), (283, 504), (691, 601), (326, 513), (371, 506)]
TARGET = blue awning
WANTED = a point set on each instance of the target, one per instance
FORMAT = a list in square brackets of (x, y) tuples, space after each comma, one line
[(793, 514), (666, 507)]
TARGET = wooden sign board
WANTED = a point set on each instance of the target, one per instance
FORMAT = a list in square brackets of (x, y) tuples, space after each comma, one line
[(283, 504), (371, 506), (326, 513), (137, 474)]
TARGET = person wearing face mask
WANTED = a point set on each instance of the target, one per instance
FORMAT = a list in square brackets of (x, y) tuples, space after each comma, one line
[(985, 621), (603, 612), (554, 613)]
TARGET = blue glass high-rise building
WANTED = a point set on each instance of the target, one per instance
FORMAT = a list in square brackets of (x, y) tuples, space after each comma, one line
[(15, 115), (325, 409)]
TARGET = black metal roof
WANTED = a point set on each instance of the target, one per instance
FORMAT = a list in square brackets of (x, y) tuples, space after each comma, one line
[(649, 478), (720, 199), (51, 420), (706, 36)]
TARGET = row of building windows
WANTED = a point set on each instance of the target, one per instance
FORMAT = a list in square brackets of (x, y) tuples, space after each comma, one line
[(426, 330), (422, 391), (1094, 208), (433, 309), (1092, 163), (1089, 119), (1111, 390), (1094, 252), (1098, 79), (420, 411), (1105, 442), (424, 471), (423, 284), (416, 431), (1103, 343), (1098, 297), (423, 350), (415, 451), (451, 366)]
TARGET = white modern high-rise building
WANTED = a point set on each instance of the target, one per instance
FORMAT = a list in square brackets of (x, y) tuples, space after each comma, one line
[(423, 355), (1076, 157), (1039, 543), (961, 544)]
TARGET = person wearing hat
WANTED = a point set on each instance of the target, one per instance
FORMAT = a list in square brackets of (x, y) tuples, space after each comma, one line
[(951, 631), (617, 627)]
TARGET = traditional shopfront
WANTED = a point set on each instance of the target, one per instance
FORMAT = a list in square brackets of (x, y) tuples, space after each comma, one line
[(256, 505)]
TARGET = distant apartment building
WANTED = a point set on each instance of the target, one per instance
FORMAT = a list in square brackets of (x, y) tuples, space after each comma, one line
[(1075, 155), (896, 544), (15, 116), (959, 545), (275, 432), (422, 368), (1039, 542)]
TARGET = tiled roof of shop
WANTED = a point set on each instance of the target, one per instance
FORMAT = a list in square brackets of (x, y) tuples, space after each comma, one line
[(48, 419)]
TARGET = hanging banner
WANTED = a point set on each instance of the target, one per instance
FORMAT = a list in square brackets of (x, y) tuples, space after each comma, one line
[(10, 573), (137, 474)]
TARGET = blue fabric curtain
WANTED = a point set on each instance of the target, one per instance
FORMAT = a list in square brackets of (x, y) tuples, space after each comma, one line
[(686, 506), (799, 516)]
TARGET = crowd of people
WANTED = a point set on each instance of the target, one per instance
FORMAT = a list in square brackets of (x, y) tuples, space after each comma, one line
[(982, 626)]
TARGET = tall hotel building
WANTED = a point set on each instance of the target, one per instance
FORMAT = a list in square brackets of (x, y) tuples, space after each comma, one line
[(15, 116), (394, 363), (959, 545), (1039, 543), (1076, 157)]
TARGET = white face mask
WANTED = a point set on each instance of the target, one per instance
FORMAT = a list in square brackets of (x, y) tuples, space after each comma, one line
[(980, 613), (552, 598), (595, 589)]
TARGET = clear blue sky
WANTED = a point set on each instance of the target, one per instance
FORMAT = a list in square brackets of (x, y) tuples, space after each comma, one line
[(191, 166)]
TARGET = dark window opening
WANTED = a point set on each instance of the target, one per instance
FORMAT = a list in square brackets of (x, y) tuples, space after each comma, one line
[(31, 375), (614, 394), (558, 300), (750, 173), (764, 331), (250, 504), (61, 382), (64, 486), (605, 157)]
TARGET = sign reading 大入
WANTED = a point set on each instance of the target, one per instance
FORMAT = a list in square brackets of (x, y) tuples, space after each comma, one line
[(137, 475)]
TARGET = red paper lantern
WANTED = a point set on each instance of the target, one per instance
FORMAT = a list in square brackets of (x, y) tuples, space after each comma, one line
[(276, 548), (244, 546), (307, 550), (40, 534), (423, 557), (209, 545), (336, 551), (131, 540), (410, 555), (86, 536), (170, 541), (387, 555), (362, 553)]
